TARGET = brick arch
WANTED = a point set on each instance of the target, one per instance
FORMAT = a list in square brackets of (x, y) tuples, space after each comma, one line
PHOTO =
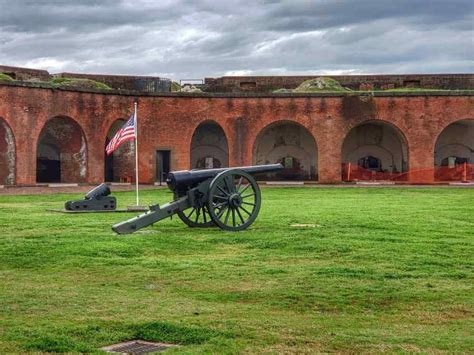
[(217, 151), (260, 126), (7, 154), (63, 156), (453, 141), (222, 123), (384, 121), (376, 148), (445, 126), (300, 159)]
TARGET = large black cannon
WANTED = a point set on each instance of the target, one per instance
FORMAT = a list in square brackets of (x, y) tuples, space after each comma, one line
[(97, 199), (228, 197)]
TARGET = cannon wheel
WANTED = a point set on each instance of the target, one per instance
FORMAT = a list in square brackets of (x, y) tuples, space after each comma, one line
[(234, 200), (196, 217)]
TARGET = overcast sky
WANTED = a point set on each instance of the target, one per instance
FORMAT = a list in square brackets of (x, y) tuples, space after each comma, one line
[(203, 38)]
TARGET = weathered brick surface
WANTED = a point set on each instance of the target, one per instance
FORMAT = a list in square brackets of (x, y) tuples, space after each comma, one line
[(354, 82), (18, 73), (125, 82), (168, 122)]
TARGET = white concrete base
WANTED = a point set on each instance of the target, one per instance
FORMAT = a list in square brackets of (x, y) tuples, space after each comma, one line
[(120, 184), (157, 183), (62, 185), (461, 183), (285, 182), (375, 183)]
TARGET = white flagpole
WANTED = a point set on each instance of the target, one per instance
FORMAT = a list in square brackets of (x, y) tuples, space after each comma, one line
[(136, 150)]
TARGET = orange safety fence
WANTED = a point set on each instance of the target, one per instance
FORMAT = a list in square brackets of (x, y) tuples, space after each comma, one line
[(460, 173)]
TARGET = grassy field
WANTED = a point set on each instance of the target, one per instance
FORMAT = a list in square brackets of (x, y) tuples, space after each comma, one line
[(383, 269)]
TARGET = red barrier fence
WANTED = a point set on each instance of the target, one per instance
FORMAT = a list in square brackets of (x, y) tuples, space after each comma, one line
[(458, 173)]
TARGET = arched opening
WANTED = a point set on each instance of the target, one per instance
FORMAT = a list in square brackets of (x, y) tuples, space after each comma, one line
[(454, 152), (61, 152), (290, 144), (7, 154), (209, 148), (375, 151), (119, 166)]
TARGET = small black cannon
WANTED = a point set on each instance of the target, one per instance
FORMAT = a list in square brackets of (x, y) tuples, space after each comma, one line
[(228, 197), (97, 199)]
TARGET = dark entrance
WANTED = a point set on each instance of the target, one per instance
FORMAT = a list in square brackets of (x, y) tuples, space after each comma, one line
[(162, 165), (48, 170), (48, 163), (370, 163), (109, 164)]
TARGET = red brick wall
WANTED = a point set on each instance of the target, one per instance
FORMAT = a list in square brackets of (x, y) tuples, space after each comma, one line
[(168, 122)]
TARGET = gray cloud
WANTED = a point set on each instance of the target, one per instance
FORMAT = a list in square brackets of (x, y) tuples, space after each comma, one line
[(195, 39)]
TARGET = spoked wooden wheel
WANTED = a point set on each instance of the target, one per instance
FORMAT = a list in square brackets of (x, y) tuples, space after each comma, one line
[(196, 217), (234, 200)]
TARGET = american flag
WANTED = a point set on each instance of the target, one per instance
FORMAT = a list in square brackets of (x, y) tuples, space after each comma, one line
[(126, 133)]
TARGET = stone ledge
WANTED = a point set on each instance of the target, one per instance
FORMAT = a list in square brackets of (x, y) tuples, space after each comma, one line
[(280, 183), (62, 185), (375, 183)]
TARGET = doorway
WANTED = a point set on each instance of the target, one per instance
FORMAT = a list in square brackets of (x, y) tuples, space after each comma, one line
[(162, 165)]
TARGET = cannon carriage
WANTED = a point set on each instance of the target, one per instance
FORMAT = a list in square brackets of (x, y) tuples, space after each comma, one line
[(229, 198), (97, 199)]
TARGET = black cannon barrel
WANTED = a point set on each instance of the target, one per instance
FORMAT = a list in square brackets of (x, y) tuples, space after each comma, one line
[(98, 191), (186, 178)]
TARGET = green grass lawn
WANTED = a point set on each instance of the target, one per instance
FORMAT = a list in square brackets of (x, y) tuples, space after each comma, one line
[(384, 269)]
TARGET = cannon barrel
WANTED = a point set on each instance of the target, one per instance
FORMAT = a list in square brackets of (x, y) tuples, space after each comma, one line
[(187, 178), (99, 191)]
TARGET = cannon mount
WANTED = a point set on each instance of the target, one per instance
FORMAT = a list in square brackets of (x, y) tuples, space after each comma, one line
[(229, 198), (97, 199)]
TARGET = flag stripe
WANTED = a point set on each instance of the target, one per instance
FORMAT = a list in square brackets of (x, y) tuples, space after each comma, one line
[(126, 133)]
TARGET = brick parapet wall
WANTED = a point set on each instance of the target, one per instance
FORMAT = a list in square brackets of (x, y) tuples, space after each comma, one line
[(121, 82), (123, 92), (25, 73), (354, 82)]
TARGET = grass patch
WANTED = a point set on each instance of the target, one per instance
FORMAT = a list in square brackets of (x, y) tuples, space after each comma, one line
[(5, 77), (77, 82), (321, 84), (87, 338), (175, 87), (387, 269)]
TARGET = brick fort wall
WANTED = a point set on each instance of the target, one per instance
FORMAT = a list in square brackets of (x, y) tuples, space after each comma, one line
[(168, 121)]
